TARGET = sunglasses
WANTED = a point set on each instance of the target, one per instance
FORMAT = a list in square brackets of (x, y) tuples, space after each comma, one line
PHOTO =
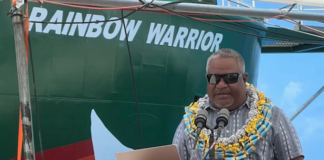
[(228, 78)]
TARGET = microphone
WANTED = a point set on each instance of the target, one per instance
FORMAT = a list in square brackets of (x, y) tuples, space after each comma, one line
[(200, 122), (222, 121)]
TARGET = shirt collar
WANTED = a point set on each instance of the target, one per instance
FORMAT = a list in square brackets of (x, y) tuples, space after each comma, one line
[(246, 103)]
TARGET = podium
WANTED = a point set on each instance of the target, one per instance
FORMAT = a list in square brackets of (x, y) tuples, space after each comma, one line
[(168, 152)]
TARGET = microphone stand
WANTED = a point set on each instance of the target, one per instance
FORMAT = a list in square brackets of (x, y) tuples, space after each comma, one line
[(221, 122), (211, 141), (213, 137)]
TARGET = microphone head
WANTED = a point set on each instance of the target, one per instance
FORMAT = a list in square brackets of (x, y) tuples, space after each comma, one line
[(224, 113), (201, 117), (202, 113), (223, 117)]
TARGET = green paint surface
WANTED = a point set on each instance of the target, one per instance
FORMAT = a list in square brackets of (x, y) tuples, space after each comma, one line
[(75, 74)]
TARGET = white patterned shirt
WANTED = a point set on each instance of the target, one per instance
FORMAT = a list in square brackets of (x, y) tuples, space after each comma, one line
[(280, 143)]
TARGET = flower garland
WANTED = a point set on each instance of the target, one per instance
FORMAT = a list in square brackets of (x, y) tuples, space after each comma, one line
[(243, 142)]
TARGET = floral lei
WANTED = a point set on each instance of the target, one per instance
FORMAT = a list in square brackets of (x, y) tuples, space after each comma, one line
[(243, 142)]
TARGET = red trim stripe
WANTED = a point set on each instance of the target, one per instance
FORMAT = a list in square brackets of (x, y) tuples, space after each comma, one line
[(88, 158), (69, 152)]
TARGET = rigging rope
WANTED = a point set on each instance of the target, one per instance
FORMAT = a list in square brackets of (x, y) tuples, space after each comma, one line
[(201, 20), (36, 104), (133, 79)]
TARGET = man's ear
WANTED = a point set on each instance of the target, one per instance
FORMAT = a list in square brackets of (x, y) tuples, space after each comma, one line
[(245, 77)]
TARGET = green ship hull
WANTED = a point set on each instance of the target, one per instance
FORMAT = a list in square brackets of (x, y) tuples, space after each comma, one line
[(85, 90)]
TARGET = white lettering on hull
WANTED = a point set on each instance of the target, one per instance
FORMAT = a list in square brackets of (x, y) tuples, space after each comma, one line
[(158, 34)]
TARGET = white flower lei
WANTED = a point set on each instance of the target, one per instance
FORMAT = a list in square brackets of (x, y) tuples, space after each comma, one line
[(254, 98)]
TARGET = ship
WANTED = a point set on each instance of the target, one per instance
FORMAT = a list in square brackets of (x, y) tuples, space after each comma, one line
[(99, 93)]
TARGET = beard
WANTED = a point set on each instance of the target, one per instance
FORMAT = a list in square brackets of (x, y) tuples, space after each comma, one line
[(223, 104)]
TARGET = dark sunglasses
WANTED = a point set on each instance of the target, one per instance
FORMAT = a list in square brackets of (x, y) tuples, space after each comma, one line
[(228, 78)]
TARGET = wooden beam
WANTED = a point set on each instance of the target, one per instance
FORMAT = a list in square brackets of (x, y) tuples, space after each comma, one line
[(23, 84), (313, 3)]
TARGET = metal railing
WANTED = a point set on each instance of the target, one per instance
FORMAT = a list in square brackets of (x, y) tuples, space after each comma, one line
[(252, 4)]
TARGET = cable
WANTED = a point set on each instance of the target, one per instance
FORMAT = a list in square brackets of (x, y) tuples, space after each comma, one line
[(308, 28), (284, 16), (235, 21), (37, 113), (255, 35), (90, 21), (184, 15), (269, 31), (134, 84), (239, 24), (293, 30), (35, 90), (85, 7), (305, 26), (139, 7)]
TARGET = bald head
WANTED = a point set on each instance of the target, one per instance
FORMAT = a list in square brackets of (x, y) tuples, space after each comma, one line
[(227, 53)]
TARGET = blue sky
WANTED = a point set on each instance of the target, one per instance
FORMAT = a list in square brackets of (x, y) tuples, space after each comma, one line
[(290, 82)]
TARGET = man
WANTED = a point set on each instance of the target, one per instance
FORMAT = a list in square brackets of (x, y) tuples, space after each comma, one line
[(256, 129)]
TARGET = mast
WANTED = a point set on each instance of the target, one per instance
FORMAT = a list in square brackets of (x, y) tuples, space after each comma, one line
[(306, 104), (23, 83)]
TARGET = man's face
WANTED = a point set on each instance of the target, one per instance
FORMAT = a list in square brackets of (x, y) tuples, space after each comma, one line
[(224, 95)]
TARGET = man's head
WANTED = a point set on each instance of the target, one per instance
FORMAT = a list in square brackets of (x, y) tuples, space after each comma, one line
[(223, 68)]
